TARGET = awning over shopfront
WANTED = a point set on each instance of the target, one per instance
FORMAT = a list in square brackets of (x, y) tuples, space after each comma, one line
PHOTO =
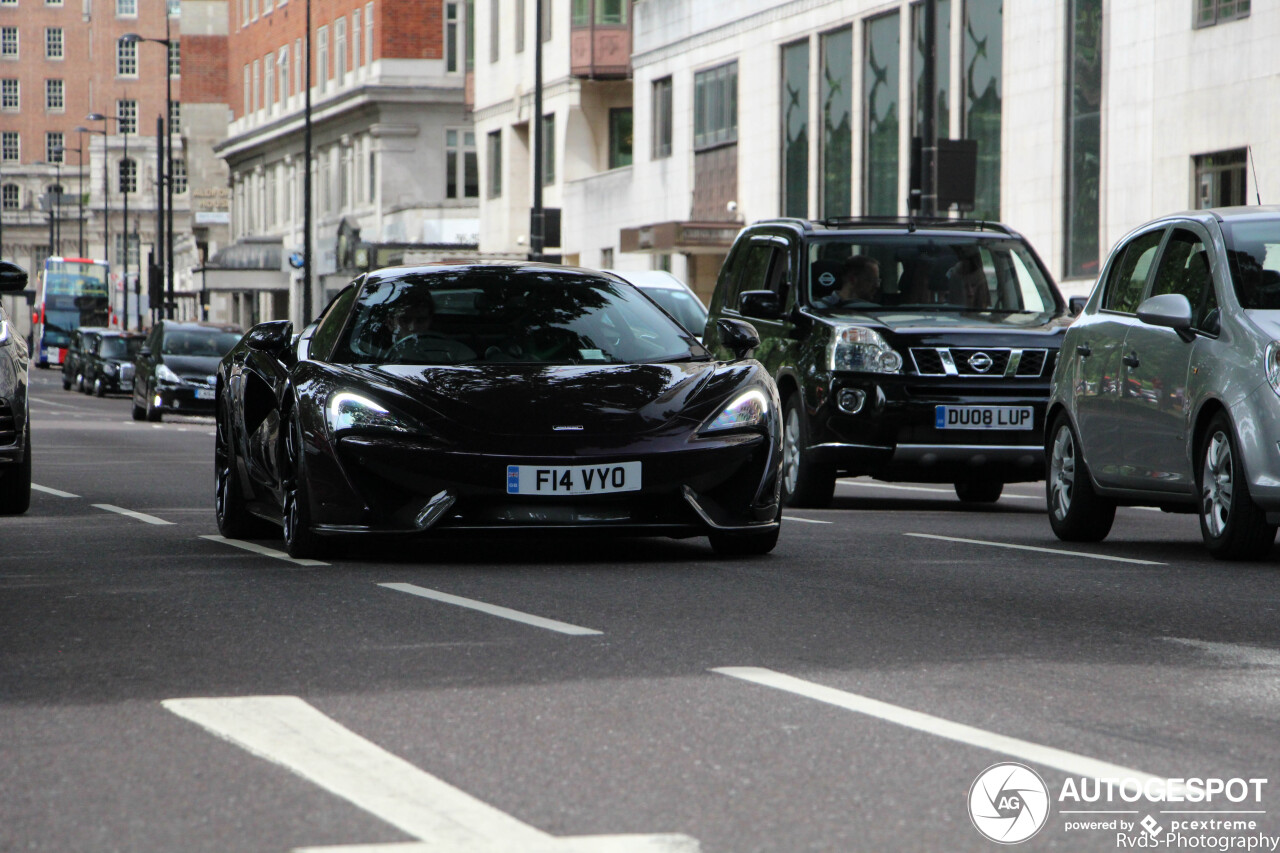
[(690, 238)]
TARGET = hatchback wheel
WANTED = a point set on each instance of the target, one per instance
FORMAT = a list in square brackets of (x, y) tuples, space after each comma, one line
[(805, 483), (1232, 525), (1076, 512)]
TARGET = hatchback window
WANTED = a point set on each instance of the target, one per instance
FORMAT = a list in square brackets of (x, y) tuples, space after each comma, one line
[(1253, 253), (1184, 269), (1128, 277), (682, 305)]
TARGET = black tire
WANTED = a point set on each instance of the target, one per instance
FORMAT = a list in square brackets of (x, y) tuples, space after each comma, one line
[(751, 544), (1076, 512), (805, 482), (66, 383), (139, 413), (979, 491), (152, 413), (234, 519), (1232, 525), (80, 382), (300, 541), (15, 483), (99, 387)]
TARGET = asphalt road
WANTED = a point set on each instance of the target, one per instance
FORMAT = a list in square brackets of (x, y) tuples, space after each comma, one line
[(164, 690)]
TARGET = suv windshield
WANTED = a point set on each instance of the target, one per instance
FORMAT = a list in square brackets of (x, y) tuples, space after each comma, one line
[(935, 273), (511, 316), (201, 342), (1253, 252)]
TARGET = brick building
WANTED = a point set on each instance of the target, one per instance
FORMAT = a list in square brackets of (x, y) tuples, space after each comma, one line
[(393, 154), (60, 61)]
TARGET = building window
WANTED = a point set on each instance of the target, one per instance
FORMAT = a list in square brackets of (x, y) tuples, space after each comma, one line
[(282, 60), (835, 94), (134, 247), (268, 81), (54, 100), (355, 40), (175, 117), (175, 59), (494, 18), (1084, 137), (715, 106), (661, 120), (452, 37), (340, 49), (128, 177), (1210, 12), (519, 26), (942, 64), (174, 8), (53, 150), (983, 72), (368, 33), (322, 57), (255, 93), (611, 12), (297, 66), (126, 8), (548, 149), (620, 121), (179, 171), (880, 111), (10, 99), (53, 43), (1221, 179), (462, 171), (126, 59), (795, 129), (10, 148), (244, 103), (606, 258), (8, 43), (494, 156), (10, 197), (127, 115)]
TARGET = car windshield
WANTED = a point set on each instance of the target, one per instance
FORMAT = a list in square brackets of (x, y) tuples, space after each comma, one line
[(199, 342), (1253, 253), (942, 273), (508, 316), (119, 347), (682, 305)]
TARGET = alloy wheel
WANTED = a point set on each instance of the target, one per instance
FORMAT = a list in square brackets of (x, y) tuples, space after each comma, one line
[(1062, 472), (791, 452), (1215, 484)]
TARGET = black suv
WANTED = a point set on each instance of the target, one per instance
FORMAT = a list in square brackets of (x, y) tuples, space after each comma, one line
[(108, 362), (904, 349), (15, 415)]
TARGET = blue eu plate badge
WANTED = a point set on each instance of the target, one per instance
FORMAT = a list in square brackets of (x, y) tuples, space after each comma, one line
[(513, 479)]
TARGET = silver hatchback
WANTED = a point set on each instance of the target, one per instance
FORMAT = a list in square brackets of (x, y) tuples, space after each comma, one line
[(1167, 390)]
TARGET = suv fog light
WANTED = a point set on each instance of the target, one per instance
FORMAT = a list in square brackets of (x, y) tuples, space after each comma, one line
[(851, 400)]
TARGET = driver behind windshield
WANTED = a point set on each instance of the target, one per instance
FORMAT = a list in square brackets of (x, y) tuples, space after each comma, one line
[(859, 285), (411, 333)]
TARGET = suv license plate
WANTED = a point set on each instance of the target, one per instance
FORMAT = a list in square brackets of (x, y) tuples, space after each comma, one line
[(573, 479), (984, 417)]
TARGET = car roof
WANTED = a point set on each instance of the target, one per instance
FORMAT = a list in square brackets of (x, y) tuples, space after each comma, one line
[(530, 268), (121, 333), (1226, 214), (890, 225), (179, 325), (650, 278)]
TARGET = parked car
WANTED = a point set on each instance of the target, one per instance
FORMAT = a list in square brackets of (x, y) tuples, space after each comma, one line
[(905, 350), (176, 366), (15, 414), (1168, 392), (672, 295), (80, 341), (109, 362), (517, 397)]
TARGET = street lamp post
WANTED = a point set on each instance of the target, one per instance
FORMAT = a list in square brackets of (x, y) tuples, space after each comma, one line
[(124, 190), (106, 191), (306, 179), (167, 142), (57, 203)]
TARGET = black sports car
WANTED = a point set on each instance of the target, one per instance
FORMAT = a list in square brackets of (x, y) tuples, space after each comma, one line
[(501, 396), (15, 414)]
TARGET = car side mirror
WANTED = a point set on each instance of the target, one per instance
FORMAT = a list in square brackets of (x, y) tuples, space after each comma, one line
[(12, 277), (1076, 305), (1172, 310), (761, 304), (740, 338), (272, 337)]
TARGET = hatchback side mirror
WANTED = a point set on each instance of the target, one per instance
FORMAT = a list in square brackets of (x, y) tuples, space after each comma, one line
[(12, 277), (1076, 305), (741, 338), (272, 337), (1171, 310), (761, 304)]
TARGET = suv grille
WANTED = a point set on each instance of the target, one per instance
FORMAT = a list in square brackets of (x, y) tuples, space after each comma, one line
[(990, 362), (8, 426)]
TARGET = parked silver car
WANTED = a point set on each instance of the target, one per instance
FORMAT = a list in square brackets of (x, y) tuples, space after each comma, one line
[(1167, 391)]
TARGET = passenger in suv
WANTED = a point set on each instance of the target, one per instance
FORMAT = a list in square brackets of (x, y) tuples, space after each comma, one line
[(907, 350)]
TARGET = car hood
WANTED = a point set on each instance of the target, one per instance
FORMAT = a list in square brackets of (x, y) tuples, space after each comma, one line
[(930, 321), (536, 400), (192, 365)]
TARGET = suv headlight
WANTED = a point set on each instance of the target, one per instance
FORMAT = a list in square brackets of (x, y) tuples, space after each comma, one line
[(1271, 362), (164, 374), (353, 411), (864, 350), (111, 369), (748, 409)]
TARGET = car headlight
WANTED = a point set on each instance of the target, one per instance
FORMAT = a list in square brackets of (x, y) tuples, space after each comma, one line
[(1271, 361), (352, 411), (748, 409), (864, 350), (164, 374), (111, 369)]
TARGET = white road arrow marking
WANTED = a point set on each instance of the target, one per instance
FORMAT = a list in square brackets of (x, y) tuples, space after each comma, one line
[(291, 733)]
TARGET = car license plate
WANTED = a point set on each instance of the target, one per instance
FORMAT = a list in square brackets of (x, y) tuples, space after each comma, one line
[(573, 479), (204, 393), (984, 417)]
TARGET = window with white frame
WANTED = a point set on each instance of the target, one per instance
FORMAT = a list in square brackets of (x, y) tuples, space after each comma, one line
[(10, 197), (173, 8), (340, 49), (126, 8), (282, 61), (10, 100), (1210, 12), (244, 103), (175, 58), (355, 40), (53, 43), (54, 100), (268, 82), (244, 13), (8, 42), (175, 116), (254, 6), (10, 146), (452, 37), (297, 66), (53, 148), (254, 91), (179, 171), (462, 173), (368, 33), (126, 58), (128, 175), (322, 57), (53, 2), (266, 7), (127, 115)]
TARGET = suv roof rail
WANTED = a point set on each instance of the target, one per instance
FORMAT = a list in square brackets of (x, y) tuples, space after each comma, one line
[(912, 223)]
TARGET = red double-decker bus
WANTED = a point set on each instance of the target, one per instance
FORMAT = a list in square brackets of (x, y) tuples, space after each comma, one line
[(73, 292)]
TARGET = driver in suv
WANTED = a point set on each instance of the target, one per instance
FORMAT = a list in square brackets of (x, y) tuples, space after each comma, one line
[(907, 350)]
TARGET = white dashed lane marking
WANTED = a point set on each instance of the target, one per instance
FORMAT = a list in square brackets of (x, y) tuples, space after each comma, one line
[(140, 516), (1058, 551), (57, 493), (491, 609), (262, 549)]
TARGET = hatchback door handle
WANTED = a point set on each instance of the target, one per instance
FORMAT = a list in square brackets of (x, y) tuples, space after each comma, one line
[(1084, 351), (1131, 359)]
